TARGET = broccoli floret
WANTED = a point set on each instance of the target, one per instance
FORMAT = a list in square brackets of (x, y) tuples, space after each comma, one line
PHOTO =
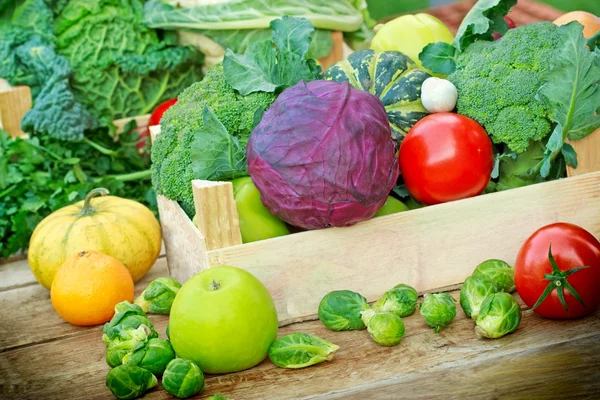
[(171, 162), (498, 81)]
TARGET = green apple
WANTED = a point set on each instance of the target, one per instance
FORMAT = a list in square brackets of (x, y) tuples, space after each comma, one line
[(223, 319), (391, 206)]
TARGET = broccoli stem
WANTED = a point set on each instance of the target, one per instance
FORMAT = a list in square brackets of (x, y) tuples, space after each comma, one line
[(101, 149)]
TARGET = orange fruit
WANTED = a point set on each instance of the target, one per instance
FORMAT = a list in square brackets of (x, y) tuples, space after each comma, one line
[(591, 23), (87, 287)]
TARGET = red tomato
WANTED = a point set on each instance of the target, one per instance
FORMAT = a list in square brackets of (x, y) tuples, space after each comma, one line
[(446, 157), (155, 118), (572, 247)]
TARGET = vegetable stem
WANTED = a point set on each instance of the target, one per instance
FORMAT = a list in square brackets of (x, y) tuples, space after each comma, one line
[(87, 203), (133, 176), (101, 149)]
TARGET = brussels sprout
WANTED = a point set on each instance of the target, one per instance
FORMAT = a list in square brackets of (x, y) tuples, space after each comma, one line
[(400, 300), (499, 315), (217, 396), (299, 350), (129, 381), (473, 291), (341, 310), (153, 355), (158, 296), (127, 316), (499, 272), (438, 309), (124, 342), (385, 328), (183, 378)]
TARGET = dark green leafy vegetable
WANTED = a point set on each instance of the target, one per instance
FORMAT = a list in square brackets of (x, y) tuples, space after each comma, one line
[(500, 272), (572, 91), (152, 355), (183, 378), (438, 310), (263, 68), (127, 316), (123, 341), (300, 350), (400, 300), (341, 310), (129, 382), (158, 297), (474, 291), (500, 314)]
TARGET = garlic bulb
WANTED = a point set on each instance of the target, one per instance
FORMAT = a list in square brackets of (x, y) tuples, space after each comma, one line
[(438, 95)]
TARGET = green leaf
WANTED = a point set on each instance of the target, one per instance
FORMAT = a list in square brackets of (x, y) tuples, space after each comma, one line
[(572, 85), (300, 350), (594, 41), (569, 154), (439, 57), (555, 141), (71, 161), (215, 154), (292, 34), (485, 18), (546, 166), (252, 71), (265, 68)]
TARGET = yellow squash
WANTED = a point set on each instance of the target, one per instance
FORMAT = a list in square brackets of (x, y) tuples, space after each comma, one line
[(121, 228)]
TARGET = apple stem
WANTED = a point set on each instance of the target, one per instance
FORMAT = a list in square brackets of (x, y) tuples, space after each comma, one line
[(215, 285)]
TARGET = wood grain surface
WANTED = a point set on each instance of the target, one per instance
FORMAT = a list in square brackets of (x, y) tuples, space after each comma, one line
[(543, 359)]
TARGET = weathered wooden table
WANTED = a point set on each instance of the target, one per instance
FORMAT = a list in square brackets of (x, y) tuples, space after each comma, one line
[(43, 357)]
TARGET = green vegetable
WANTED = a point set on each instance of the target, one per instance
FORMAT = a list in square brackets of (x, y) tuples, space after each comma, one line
[(571, 90), (41, 174), (217, 396), (183, 378), (498, 83), (500, 272), (513, 168), (167, 332), (183, 128), (253, 14), (391, 76), (391, 206), (401, 300), (127, 316), (485, 18), (158, 296), (385, 328), (341, 310), (438, 310), (153, 355), (91, 62), (474, 291), (265, 69), (300, 350), (500, 314), (129, 382), (256, 221), (123, 341)]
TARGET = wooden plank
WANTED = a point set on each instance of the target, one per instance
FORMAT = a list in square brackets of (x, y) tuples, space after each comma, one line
[(141, 122), (427, 248), (28, 317), (14, 103), (588, 154), (185, 245), (16, 274), (539, 357), (216, 214)]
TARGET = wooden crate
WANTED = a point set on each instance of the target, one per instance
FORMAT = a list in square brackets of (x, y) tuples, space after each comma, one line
[(429, 248)]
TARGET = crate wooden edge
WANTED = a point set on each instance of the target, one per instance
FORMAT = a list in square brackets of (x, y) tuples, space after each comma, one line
[(428, 248)]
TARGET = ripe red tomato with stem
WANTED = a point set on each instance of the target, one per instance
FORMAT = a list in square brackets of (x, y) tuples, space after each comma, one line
[(446, 157), (557, 272), (155, 118)]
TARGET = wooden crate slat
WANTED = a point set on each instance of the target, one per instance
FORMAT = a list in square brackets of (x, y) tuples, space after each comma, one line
[(427, 248)]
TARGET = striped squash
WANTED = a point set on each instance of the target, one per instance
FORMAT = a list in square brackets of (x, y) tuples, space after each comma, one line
[(391, 76), (121, 228)]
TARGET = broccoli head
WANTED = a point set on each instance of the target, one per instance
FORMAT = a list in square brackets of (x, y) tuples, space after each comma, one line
[(498, 81), (171, 162)]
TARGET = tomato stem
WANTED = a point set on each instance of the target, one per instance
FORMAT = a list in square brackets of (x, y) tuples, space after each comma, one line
[(558, 281)]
